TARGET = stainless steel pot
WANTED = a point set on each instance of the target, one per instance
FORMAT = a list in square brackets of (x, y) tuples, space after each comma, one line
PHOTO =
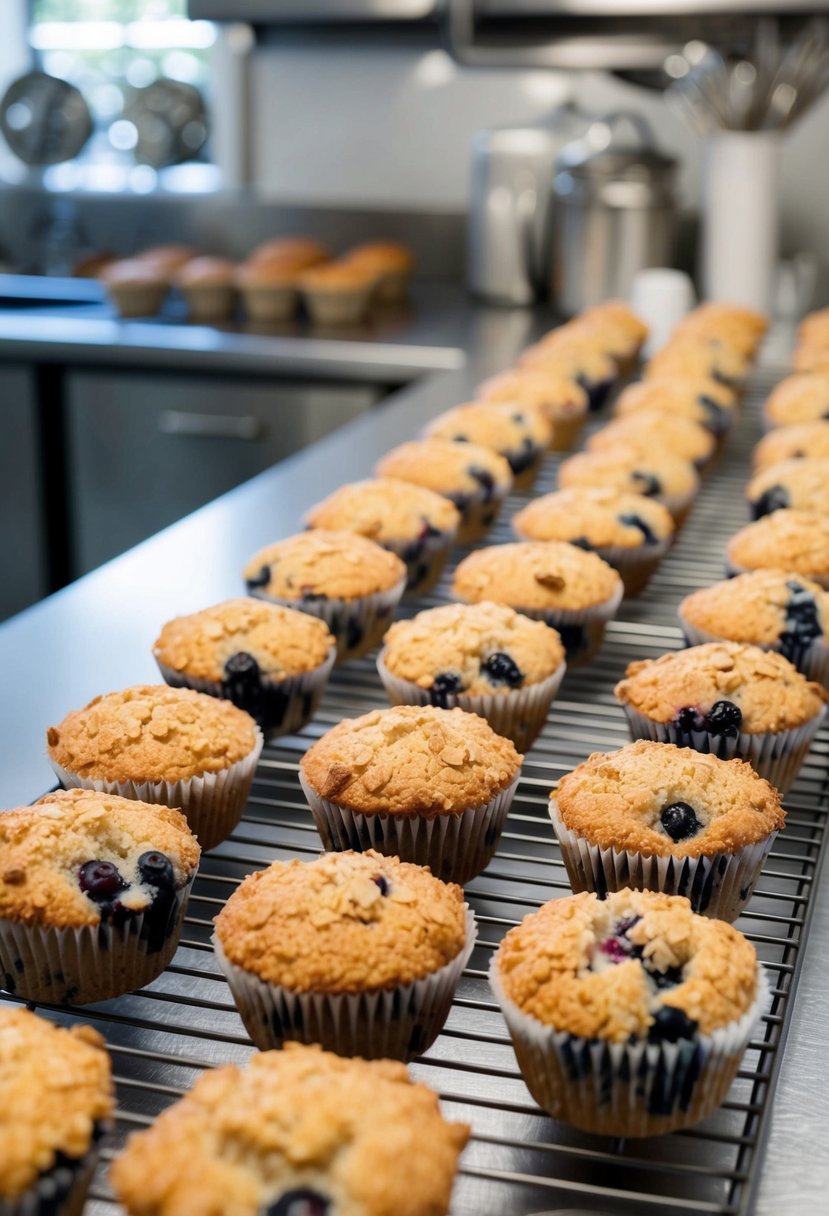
[(614, 212)]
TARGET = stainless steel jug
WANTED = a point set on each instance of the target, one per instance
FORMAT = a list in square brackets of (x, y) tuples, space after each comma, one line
[(614, 212)]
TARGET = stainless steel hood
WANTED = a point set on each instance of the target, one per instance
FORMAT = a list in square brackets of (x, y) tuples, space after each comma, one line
[(294, 12)]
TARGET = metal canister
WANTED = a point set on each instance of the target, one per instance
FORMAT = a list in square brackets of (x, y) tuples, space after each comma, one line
[(614, 212)]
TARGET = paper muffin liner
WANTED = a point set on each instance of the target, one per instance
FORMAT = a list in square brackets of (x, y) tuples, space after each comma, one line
[(635, 565), (282, 707), (338, 307), (812, 660), (777, 757), (627, 1089), (455, 847), (517, 713), (425, 559), (582, 632), (61, 1191), (679, 506), (210, 302), (718, 885), (79, 965), (270, 303), (211, 802), (358, 625), (478, 513), (380, 1023)]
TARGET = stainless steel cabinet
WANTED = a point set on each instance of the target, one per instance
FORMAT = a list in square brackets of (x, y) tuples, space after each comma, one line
[(146, 449), (24, 575)]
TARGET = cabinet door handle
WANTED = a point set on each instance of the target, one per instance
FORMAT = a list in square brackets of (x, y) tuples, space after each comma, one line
[(210, 426)]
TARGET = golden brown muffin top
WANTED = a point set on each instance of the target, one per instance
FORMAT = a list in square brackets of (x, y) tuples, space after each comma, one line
[(447, 468), (55, 1087), (802, 484), (255, 276), (669, 432), (767, 689), (595, 517), (696, 355), (571, 354), (759, 607), (206, 272), (741, 328), (283, 642), (382, 255), (43, 847), (361, 1133), (800, 398), (134, 272), (811, 358), (296, 251), (536, 575), (411, 760), (622, 330), (803, 440), (571, 965), (785, 540), (504, 426), (323, 564), (338, 276), (462, 638), (557, 396), (814, 328), (168, 257), (699, 399), (385, 509), (345, 922), (151, 732), (656, 473)]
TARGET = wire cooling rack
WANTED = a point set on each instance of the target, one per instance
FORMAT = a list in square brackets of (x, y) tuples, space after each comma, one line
[(518, 1161)]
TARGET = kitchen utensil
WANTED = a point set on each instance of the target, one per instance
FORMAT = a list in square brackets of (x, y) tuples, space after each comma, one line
[(170, 120), (661, 297), (508, 231), (44, 120), (614, 212)]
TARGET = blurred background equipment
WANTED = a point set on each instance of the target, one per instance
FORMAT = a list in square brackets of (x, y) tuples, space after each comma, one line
[(44, 120), (169, 119)]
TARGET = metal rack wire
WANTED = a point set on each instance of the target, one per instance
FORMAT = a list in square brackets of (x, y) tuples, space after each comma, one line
[(518, 1161)]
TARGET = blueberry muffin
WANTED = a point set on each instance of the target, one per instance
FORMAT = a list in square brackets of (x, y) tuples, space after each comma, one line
[(428, 785), (664, 818), (345, 579), (802, 485), (704, 401), (799, 398), (474, 478), (797, 541), (576, 356), (171, 746), (768, 608), (657, 428), (730, 699), (628, 531), (298, 1132), (619, 329), (209, 288), (300, 252), (169, 258), (743, 329), (358, 952), (572, 590), (56, 1100), (562, 401), (811, 358), (630, 468), (691, 356), (417, 524), (607, 999), (798, 442), (135, 288), (519, 433), (392, 264), (338, 293), (269, 290), (485, 658), (93, 891), (268, 660)]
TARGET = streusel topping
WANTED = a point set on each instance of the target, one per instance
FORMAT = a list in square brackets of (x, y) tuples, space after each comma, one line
[(759, 608), (803, 397), (798, 484), (448, 468), (655, 473), (702, 400), (785, 540), (385, 509), (695, 355), (804, 439), (669, 432), (557, 396), (536, 575), (595, 517), (506, 427), (323, 564)]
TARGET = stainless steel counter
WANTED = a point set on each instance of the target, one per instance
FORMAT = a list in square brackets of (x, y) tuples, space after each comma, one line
[(96, 635)]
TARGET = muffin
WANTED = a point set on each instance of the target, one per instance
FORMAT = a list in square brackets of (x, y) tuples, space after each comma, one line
[(562, 401), (632, 469), (620, 330), (730, 699), (810, 358), (168, 258), (574, 591), (93, 891), (485, 658), (814, 328), (768, 608), (521, 434), (135, 288), (209, 288), (269, 291), (740, 328), (338, 293), (346, 580), (663, 818), (704, 401), (417, 524), (297, 1132), (661, 430), (300, 252), (628, 531), (270, 661), (797, 541), (802, 485), (427, 785), (691, 356), (799, 398), (629, 1015), (391, 263), (474, 478), (358, 952), (806, 439), (575, 356), (57, 1102), (156, 744)]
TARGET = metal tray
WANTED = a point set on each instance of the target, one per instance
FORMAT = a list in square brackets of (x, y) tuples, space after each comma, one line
[(518, 1161)]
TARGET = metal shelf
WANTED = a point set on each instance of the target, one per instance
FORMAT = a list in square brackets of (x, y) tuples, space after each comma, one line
[(518, 1161)]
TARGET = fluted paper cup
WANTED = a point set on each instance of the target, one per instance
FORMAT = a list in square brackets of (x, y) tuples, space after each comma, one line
[(478, 512), (811, 660), (582, 632), (425, 560), (358, 625), (636, 565)]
